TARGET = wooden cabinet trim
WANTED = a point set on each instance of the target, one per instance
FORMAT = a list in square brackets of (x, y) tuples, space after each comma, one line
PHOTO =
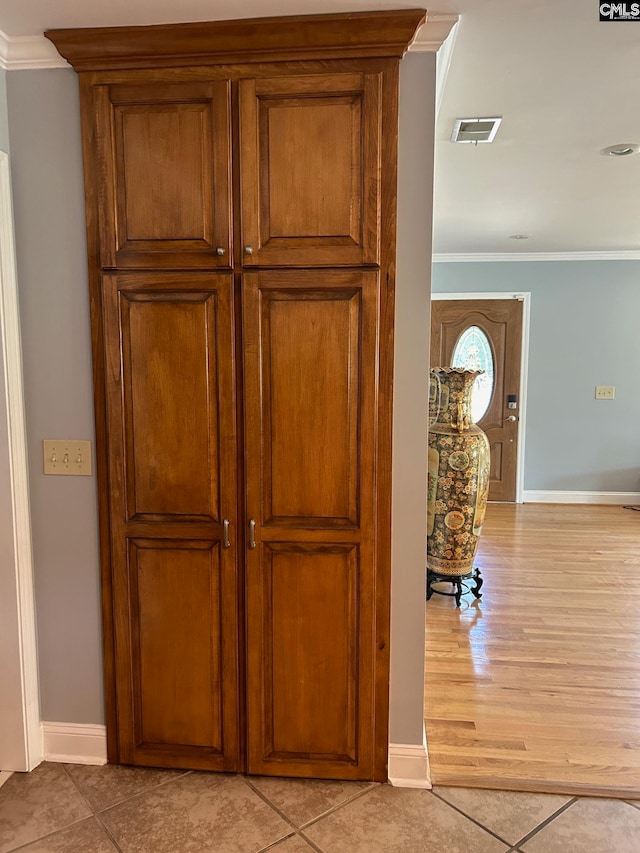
[(386, 33)]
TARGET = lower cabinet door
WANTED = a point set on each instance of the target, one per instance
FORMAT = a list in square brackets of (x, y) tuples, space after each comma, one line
[(172, 498), (310, 359)]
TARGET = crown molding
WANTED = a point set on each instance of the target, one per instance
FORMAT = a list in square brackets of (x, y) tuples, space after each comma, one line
[(512, 257), (21, 53), (433, 33), (299, 37)]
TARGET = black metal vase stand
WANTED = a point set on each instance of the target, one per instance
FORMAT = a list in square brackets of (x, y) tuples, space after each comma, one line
[(456, 581)]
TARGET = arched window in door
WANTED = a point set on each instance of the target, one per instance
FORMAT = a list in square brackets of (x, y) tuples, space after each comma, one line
[(473, 352)]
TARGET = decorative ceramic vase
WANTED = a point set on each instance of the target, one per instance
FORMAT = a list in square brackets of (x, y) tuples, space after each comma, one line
[(458, 478)]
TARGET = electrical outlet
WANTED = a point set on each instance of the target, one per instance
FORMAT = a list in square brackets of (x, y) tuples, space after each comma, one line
[(67, 456), (605, 392)]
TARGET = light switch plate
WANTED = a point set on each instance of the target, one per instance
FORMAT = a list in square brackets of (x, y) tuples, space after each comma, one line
[(605, 392), (67, 456)]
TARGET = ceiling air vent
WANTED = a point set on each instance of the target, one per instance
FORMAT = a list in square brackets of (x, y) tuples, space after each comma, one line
[(475, 129)]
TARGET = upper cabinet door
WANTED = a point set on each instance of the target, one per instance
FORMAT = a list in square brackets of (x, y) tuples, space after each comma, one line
[(164, 154), (310, 170)]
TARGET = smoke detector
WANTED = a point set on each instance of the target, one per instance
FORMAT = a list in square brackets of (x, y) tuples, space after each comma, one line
[(475, 130)]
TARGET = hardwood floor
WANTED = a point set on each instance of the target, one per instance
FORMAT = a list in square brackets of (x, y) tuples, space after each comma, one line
[(536, 687)]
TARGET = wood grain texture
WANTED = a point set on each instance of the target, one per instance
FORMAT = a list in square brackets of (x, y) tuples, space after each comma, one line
[(386, 318), (310, 464), (92, 180), (537, 686), (127, 168), (286, 38), (172, 478), (310, 149), (164, 151), (175, 599)]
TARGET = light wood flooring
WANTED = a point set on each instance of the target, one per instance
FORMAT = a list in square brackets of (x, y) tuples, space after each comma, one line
[(536, 687)]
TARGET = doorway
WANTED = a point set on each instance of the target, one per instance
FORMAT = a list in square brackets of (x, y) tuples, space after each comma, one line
[(490, 332)]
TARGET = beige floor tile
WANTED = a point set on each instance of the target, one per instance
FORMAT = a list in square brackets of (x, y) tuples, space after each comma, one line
[(302, 800), (196, 814), (292, 845), (37, 803), (592, 826), (112, 783), (84, 837), (509, 814), (399, 820)]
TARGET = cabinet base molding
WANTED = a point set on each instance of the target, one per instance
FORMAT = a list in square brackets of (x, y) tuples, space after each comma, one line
[(409, 765), (562, 497), (74, 743)]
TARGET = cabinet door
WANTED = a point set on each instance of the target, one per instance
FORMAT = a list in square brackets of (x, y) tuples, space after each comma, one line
[(310, 400), (172, 483), (164, 152), (310, 170)]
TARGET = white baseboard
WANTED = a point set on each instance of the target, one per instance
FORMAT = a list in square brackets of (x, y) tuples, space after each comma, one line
[(74, 743), (409, 765), (560, 497)]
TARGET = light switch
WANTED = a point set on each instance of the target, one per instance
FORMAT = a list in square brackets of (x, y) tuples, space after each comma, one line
[(67, 456), (605, 392)]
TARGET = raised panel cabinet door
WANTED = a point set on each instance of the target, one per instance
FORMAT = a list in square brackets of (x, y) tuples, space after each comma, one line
[(164, 154), (310, 170), (173, 519), (310, 411)]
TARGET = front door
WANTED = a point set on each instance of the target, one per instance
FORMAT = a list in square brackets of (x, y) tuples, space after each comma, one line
[(486, 334)]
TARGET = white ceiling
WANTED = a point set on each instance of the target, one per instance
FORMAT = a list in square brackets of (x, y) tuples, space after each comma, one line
[(565, 84)]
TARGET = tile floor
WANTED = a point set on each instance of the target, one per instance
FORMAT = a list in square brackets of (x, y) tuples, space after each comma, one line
[(78, 809)]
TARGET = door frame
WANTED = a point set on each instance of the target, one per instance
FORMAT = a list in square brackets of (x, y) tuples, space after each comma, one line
[(20, 715), (525, 298)]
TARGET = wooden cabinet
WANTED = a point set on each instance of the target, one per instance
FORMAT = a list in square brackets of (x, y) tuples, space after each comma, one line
[(310, 413), (240, 183), (310, 156), (164, 154), (170, 392)]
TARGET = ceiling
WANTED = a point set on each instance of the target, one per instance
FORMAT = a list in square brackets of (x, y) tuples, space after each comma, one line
[(565, 84)]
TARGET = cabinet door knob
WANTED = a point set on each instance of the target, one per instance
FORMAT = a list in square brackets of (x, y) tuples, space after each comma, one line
[(252, 534), (226, 542), (512, 418), (248, 250), (220, 251)]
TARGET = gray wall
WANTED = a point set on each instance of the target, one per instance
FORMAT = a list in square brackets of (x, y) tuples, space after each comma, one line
[(584, 332), (409, 531), (44, 124), (49, 204)]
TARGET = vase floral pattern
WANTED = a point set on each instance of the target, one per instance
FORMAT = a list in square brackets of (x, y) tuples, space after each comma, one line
[(458, 473)]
